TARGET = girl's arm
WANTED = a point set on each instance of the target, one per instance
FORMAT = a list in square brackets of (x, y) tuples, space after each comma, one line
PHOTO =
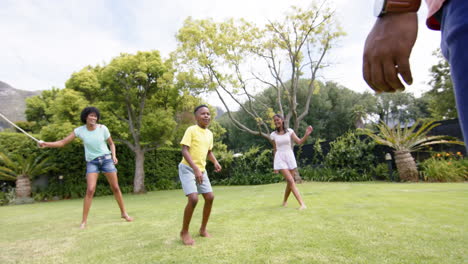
[(304, 138), (60, 143), (112, 149)]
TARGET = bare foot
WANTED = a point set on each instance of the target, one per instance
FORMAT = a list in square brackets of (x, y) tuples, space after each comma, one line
[(186, 238), (285, 204), (204, 233), (302, 207), (83, 225), (127, 217)]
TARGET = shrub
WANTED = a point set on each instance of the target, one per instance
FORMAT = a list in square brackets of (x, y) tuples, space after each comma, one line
[(443, 170), (351, 152), (381, 172), (327, 174)]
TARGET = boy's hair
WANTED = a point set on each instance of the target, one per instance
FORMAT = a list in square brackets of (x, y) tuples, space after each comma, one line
[(281, 117), (88, 110), (198, 107)]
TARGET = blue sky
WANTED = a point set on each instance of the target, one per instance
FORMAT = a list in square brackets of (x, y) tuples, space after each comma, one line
[(44, 42)]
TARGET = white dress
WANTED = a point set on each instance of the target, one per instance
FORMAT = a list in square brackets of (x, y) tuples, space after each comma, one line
[(284, 156)]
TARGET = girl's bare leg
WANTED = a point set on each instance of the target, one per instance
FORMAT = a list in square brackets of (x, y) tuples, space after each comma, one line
[(114, 184), (91, 179), (292, 186)]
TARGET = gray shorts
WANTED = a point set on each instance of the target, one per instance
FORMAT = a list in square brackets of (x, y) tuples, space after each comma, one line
[(187, 178)]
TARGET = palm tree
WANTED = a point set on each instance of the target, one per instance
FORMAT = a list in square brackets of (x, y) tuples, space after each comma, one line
[(22, 169), (406, 140)]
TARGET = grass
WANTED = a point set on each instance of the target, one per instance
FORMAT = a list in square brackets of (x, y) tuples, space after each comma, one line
[(345, 223)]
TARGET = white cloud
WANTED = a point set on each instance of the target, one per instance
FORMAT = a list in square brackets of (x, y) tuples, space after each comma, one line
[(43, 43)]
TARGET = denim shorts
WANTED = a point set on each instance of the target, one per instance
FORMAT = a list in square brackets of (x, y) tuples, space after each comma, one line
[(101, 164), (187, 178)]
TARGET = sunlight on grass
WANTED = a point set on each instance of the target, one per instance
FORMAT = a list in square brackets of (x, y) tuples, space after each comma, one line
[(345, 223)]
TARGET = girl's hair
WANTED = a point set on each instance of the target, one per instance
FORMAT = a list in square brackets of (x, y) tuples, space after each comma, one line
[(88, 110), (198, 107), (280, 117)]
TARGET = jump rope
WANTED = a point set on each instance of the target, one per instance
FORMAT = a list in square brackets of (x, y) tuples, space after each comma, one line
[(20, 129)]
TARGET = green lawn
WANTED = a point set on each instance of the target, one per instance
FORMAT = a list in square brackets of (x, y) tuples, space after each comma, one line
[(345, 223)]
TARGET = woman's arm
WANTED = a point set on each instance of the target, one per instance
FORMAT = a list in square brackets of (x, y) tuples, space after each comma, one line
[(58, 144), (112, 149), (304, 138)]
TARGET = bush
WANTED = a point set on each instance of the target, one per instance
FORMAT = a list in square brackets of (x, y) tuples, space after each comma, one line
[(380, 172), (327, 174), (442, 170), (351, 152), (254, 167)]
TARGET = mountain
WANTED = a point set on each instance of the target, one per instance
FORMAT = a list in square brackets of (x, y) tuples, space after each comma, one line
[(13, 104)]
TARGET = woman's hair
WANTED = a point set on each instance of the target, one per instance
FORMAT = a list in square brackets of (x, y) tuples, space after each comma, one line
[(88, 110), (280, 117), (198, 107)]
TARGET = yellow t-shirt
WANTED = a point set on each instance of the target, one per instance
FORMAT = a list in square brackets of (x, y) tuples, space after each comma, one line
[(199, 141)]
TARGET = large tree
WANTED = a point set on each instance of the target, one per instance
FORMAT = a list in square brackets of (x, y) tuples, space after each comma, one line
[(237, 59), (440, 96), (137, 97)]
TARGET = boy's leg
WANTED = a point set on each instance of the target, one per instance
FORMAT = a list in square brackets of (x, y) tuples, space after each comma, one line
[(192, 200), (209, 197)]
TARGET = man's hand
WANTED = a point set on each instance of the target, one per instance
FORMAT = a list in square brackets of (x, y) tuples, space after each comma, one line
[(198, 175), (387, 51), (217, 167)]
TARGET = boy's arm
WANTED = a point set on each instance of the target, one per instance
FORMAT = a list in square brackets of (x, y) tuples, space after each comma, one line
[(213, 159), (188, 158)]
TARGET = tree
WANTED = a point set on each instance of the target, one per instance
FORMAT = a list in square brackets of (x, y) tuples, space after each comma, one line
[(22, 170), (441, 97), (399, 107), (138, 90), (37, 108), (405, 140), (220, 56)]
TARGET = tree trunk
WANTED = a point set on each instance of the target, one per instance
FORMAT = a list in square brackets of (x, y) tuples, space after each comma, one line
[(23, 187), (139, 179), (406, 166), (297, 176)]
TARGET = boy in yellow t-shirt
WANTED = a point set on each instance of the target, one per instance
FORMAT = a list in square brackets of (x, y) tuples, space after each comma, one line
[(197, 144)]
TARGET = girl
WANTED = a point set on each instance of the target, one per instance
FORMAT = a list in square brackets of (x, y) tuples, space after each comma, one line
[(284, 161), (98, 158)]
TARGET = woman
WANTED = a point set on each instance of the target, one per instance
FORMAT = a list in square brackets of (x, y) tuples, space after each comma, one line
[(284, 161), (98, 158)]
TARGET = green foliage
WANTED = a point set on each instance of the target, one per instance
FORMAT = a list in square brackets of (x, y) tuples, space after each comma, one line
[(328, 174), (56, 131), (14, 143), (381, 172), (401, 106), (351, 152), (161, 168), (253, 167), (404, 138), (217, 56), (8, 197), (15, 165), (445, 167), (440, 96), (37, 108)]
